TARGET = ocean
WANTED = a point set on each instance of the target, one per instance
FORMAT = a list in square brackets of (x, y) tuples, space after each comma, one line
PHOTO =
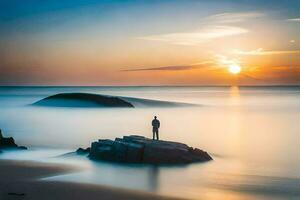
[(251, 132)]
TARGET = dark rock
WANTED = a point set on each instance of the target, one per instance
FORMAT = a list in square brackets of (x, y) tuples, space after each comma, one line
[(82, 151), (9, 143), (22, 148), (135, 152), (83, 100), (138, 149), (102, 150)]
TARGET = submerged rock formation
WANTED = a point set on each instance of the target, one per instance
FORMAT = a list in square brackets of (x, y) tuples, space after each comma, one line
[(9, 143), (82, 100), (139, 149)]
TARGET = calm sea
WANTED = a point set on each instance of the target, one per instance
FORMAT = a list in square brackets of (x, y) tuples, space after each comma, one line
[(252, 132)]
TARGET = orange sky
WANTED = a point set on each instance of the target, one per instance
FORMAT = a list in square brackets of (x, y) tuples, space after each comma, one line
[(150, 43)]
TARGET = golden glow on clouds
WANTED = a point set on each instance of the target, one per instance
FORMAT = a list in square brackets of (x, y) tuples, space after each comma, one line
[(225, 61), (261, 52)]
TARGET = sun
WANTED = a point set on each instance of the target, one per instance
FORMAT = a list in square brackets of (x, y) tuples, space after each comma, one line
[(234, 69)]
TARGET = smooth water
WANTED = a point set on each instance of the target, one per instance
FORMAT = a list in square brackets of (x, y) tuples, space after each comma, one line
[(252, 133)]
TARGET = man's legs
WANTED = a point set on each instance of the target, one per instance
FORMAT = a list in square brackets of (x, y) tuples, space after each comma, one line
[(153, 131)]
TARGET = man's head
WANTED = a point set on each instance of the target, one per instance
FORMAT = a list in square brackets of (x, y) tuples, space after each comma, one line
[(155, 117)]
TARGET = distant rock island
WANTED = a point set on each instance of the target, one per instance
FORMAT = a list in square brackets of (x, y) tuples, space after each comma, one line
[(139, 149), (104, 101), (82, 100), (9, 143)]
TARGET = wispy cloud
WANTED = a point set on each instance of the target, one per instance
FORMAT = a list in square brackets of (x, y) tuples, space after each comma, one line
[(261, 52), (234, 17), (213, 27), (294, 20), (205, 34), (173, 68), (165, 68), (225, 61)]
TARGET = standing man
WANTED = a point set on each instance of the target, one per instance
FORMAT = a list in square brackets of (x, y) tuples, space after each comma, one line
[(155, 125)]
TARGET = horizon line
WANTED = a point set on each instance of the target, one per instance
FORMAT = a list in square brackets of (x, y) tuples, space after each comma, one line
[(210, 85)]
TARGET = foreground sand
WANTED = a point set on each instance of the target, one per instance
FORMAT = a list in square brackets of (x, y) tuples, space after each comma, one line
[(19, 180)]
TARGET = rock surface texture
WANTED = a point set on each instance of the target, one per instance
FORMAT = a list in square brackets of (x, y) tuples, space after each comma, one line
[(138, 149)]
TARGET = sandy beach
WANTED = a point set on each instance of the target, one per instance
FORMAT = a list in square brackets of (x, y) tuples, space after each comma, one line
[(20, 180)]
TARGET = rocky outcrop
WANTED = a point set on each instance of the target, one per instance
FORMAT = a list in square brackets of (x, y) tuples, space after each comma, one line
[(82, 100), (138, 149), (9, 143)]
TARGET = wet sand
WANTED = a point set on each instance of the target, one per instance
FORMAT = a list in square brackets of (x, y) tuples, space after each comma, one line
[(20, 180)]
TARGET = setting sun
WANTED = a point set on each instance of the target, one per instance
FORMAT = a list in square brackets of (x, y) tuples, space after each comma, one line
[(234, 69)]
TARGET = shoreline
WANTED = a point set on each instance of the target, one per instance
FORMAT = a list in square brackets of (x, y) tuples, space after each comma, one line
[(20, 180)]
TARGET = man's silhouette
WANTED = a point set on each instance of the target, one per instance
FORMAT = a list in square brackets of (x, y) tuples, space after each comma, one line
[(155, 125)]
